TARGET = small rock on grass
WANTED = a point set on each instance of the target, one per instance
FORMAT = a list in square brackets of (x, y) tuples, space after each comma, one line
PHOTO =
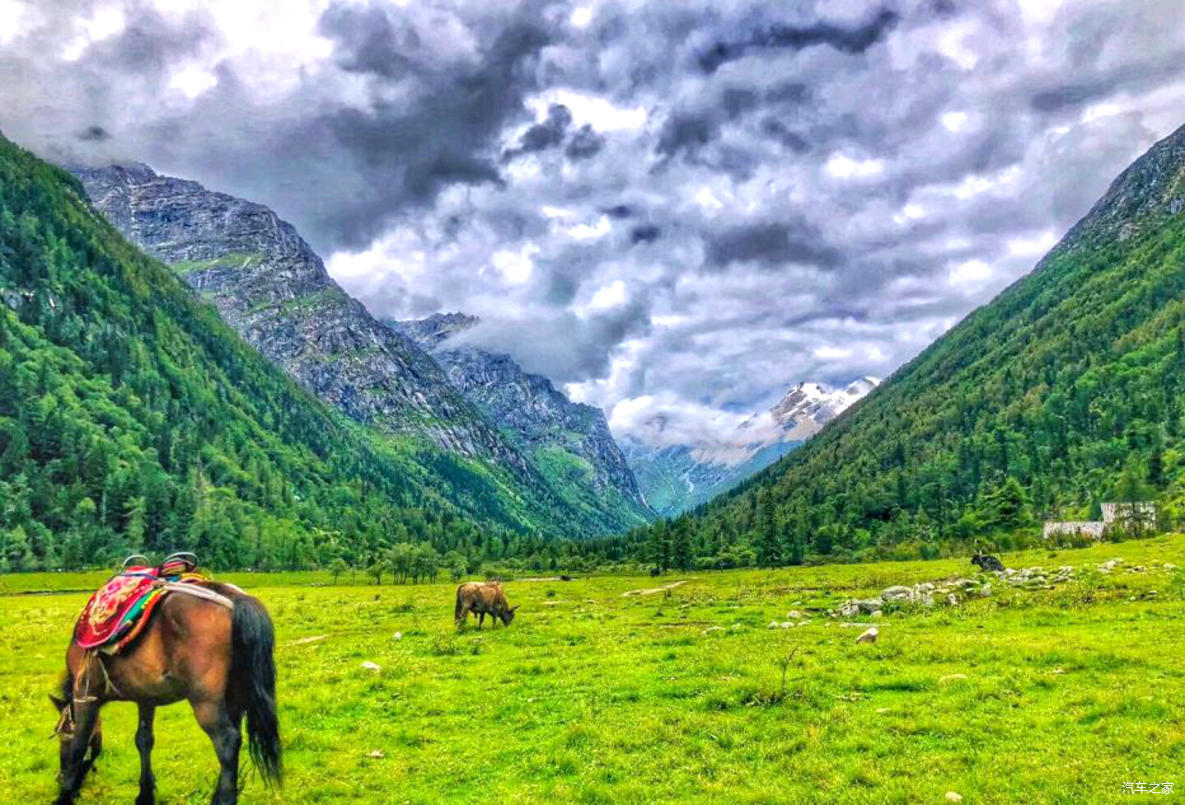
[(397, 636), (869, 636), (370, 666), (954, 796), (377, 754), (942, 680)]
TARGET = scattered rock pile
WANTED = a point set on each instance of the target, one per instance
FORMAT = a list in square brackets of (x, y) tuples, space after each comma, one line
[(952, 592)]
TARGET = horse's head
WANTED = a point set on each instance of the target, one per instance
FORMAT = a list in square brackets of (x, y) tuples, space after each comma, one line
[(509, 616), (68, 733)]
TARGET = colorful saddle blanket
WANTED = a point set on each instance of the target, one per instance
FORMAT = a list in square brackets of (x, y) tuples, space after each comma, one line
[(116, 614)]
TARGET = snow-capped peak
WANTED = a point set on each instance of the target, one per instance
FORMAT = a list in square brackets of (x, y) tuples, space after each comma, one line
[(807, 407)]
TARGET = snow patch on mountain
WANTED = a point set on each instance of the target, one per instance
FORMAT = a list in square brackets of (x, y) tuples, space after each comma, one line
[(678, 471)]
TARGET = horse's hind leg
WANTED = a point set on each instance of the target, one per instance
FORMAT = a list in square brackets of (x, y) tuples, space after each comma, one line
[(144, 742), (223, 730)]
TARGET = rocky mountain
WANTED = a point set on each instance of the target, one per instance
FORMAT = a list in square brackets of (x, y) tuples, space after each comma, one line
[(807, 407), (1064, 391), (270, 286), (677, 478), (569, 443), (132, 418)]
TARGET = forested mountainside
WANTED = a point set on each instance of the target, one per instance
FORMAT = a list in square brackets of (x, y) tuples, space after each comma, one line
[(133, 418), (568, 443), (272, 288), (1064, 391)]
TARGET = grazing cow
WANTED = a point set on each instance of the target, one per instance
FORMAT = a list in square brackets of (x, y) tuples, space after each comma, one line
[(654, 572), (483, 598), (565, 578), (988, 563)]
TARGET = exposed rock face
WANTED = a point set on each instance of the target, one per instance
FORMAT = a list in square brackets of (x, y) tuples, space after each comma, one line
[(569, 443), (1151, 187), (271, 287)]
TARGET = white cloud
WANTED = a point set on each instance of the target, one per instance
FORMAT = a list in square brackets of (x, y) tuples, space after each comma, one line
[(581, 16), (842, 166), (1032, 246), (599, 112), (970, 273), (608, 296), (103, 23)]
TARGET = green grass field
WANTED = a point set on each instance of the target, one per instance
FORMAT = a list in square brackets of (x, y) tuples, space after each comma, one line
[(596, 696)]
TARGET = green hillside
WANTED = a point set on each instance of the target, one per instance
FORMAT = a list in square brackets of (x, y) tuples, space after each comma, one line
[(132, 418), (1064, 391)]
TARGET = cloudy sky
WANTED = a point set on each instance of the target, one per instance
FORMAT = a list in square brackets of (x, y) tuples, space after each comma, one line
[(673, 209)]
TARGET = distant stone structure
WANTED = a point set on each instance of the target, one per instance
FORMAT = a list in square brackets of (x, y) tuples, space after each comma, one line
[(1131, 517)]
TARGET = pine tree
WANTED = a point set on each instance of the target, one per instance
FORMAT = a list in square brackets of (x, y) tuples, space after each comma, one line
[(769, 542)]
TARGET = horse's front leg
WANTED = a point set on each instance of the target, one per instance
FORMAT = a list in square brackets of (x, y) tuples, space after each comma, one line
[(74, 761), (144, 742), (223, 730)]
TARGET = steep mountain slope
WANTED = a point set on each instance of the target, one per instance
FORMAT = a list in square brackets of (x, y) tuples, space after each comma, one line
[(569, 443), (271, 287), (1065, 390), (132, 417), (274, 290), (677, 478)]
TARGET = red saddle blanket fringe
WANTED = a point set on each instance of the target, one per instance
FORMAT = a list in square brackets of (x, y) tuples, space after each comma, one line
[(120, 609)]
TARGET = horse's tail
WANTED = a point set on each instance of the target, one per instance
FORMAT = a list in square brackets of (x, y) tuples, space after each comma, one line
[(253, 678)]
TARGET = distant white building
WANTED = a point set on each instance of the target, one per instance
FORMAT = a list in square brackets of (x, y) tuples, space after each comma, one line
[(1092, 529), (1133, 518)]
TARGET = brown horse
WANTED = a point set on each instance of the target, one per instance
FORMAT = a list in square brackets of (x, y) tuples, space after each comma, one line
[(483, 598), (213, 651)]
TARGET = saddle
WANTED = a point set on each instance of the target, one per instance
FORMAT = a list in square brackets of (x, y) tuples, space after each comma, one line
[(120, 609)]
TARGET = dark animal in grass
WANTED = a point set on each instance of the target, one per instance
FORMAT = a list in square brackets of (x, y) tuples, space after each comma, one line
[(216, 657), (654, 571), (565, 578), (987, 563), (483, 598)]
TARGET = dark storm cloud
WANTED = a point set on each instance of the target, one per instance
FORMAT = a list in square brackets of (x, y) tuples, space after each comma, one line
[(644, 233), (790, 139), (678, 208), (94, 133), (547, 134), (443, 135), (848, 40), (373, 44), (585, 143), (686, 131), (771, 245), (565, 348)]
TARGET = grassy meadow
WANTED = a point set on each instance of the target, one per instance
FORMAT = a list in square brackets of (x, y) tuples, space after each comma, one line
[(596, 695)]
